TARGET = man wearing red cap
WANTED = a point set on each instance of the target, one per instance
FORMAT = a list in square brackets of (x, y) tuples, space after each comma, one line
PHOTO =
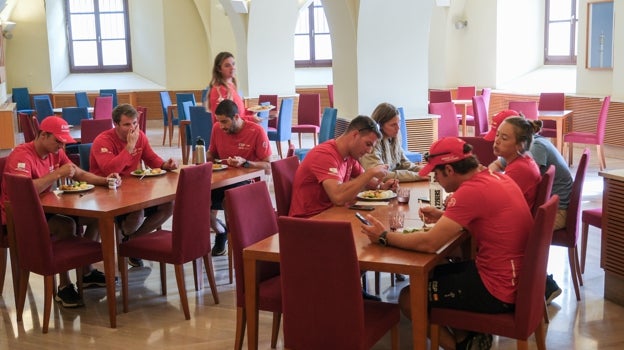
[(44, 160), (488, 205)]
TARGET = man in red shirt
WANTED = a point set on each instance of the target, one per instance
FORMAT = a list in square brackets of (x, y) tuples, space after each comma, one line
[(121, 150), (44, 160), (239, 143), (492, 208)]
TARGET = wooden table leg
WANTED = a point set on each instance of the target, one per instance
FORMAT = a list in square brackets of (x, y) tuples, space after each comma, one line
[(418, 301), (251, 302), (464, 126), (107, 233)]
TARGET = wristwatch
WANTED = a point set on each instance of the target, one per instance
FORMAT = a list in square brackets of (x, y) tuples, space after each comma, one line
[(246, 164), (382, 239)]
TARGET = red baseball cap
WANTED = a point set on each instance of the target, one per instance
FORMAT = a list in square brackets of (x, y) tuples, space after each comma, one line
[(445, 150), (498, 120), (58, 127)]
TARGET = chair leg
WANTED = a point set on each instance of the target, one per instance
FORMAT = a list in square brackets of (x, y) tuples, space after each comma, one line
[(578, 267), (279, 148), (48, 285), (434, 335), (300, 140), (570, 153), (377, 282), (240, 328), (584, 234), (163, 278), (546, 316), (164, 134), (540, 337), (211, 278), (315, 139), (123, 273), (394, 333), (179, 271), (275, 329), (171, 135), (573, 273), (601, 157), (3, 265), (21, 294), (230, 262)]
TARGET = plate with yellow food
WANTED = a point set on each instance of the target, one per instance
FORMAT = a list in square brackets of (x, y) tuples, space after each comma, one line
[(76, 187), (149, 172), (218, 167), (376, 195)]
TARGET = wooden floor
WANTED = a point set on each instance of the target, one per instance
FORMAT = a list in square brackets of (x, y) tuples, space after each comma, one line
[(157, 322)]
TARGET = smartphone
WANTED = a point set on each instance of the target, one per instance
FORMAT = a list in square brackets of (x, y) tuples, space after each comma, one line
[(362, 207), (362, 219)]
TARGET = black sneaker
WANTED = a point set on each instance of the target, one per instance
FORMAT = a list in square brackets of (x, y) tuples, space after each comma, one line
[(399, 277), (475, 341), (368, 296), (94, 278), (68, 296), (552, 289), (135, 262), (219, 247)]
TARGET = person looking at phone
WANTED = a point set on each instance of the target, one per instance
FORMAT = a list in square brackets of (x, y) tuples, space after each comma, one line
[(330, 174), (491, 207), (122, 149)]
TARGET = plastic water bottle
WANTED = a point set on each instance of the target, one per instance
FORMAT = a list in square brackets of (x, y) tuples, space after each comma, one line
[(436, 193), (200, 151)]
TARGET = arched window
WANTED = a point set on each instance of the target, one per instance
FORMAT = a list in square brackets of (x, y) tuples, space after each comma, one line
[(312, 38), (98, 36), (561, 32)]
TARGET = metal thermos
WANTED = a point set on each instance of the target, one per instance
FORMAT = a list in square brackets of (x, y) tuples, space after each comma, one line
[(200, 151)]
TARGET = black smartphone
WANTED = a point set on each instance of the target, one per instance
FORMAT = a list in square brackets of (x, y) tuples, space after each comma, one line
[(362, 207), (362, 219)]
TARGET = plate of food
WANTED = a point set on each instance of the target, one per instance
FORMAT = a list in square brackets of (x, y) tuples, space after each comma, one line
[(76, 187), (218, 167), (376, 195), (149, 172), (256, 109)]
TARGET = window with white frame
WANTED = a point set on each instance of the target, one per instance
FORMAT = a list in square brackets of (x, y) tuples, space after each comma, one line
[(312, 38), (561, 32)]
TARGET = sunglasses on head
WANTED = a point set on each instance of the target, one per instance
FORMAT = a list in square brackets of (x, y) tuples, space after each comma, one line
[(428, 156), (371, 125)]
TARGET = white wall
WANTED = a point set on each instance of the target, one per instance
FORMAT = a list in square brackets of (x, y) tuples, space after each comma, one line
[(147, 35), (58, 50)]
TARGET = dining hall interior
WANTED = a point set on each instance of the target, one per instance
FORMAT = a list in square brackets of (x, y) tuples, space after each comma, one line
[(382, 51)]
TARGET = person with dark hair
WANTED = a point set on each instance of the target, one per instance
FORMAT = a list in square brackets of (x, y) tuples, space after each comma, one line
[(223, 87), (388, 150), (490, 206), (239, 143), (122, 149), (330, 174), (513, 136)]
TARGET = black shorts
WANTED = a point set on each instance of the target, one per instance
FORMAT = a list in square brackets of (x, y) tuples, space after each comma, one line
[(459, 286), (218, 194)]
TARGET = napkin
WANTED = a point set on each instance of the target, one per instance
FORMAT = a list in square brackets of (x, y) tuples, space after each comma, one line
[(372, 203)]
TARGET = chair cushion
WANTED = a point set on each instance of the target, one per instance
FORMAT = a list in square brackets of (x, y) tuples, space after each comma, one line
[(155, 246), (592, 217), (581, 137), (304, 128)]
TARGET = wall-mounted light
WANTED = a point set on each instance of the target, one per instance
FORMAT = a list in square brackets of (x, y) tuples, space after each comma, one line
[(461, 24), (7, 29)]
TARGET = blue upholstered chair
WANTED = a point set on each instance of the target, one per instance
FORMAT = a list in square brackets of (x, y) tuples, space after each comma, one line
[(415, 157), (165, 102), (74, 115), (328, 128), (43, 107), (82, 100), (110, 92), (21, 97), (284, 125), (201, 125)]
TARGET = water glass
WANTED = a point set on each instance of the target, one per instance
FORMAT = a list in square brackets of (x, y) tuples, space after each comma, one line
[(396, 220), (403, 195)]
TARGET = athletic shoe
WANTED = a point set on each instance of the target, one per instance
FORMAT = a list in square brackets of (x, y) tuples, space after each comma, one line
[(219, 247), (135, 262), (368, 296), (68, 296), (94, 278), (552, 289)]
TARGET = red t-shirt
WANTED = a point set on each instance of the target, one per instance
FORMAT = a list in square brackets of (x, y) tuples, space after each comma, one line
[(109, 155), (251, 143), (323, 162), (220, 93), (525, 172), (25, 161), (491, 207)]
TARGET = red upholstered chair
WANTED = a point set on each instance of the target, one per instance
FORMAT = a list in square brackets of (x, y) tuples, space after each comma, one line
[(591, 217), (550, 101), (283, 172), (330, 94), (592, 138), (440, 96), (291, 151), (568, 236), (246, 230), (447, 124), (272, 99), (26, 123), (39, 253), (318, 317), (142, 118), (527, 317), (91, 128), (4, 239), (544, 189), (103, 107), (482, 148), (528, 108), (465, 93), (308, 116), (187, 241), (481, 124)]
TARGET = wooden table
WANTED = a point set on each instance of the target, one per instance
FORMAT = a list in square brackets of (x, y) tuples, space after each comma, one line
[(132, 195), (560, 118), (464, 104), (371, 257)]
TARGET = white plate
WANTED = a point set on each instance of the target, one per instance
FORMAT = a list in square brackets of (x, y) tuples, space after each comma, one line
[(162, 172), (382, 195), (89, 187), (260, 108), (219, 167)]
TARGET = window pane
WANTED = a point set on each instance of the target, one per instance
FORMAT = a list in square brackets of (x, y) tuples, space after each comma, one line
[(80, 6), (302, 47), (111, 5), (85, 53), (112, 26), (83, 27), (322, 47), (303, 24), (559, 39), (320, 22), (560, 9), (114, 53)]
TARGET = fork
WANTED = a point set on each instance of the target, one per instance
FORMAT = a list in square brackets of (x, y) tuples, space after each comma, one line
[(145, 173)]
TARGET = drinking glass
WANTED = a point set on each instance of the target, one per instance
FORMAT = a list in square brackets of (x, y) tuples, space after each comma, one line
[(403, 195), (396, 220)]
